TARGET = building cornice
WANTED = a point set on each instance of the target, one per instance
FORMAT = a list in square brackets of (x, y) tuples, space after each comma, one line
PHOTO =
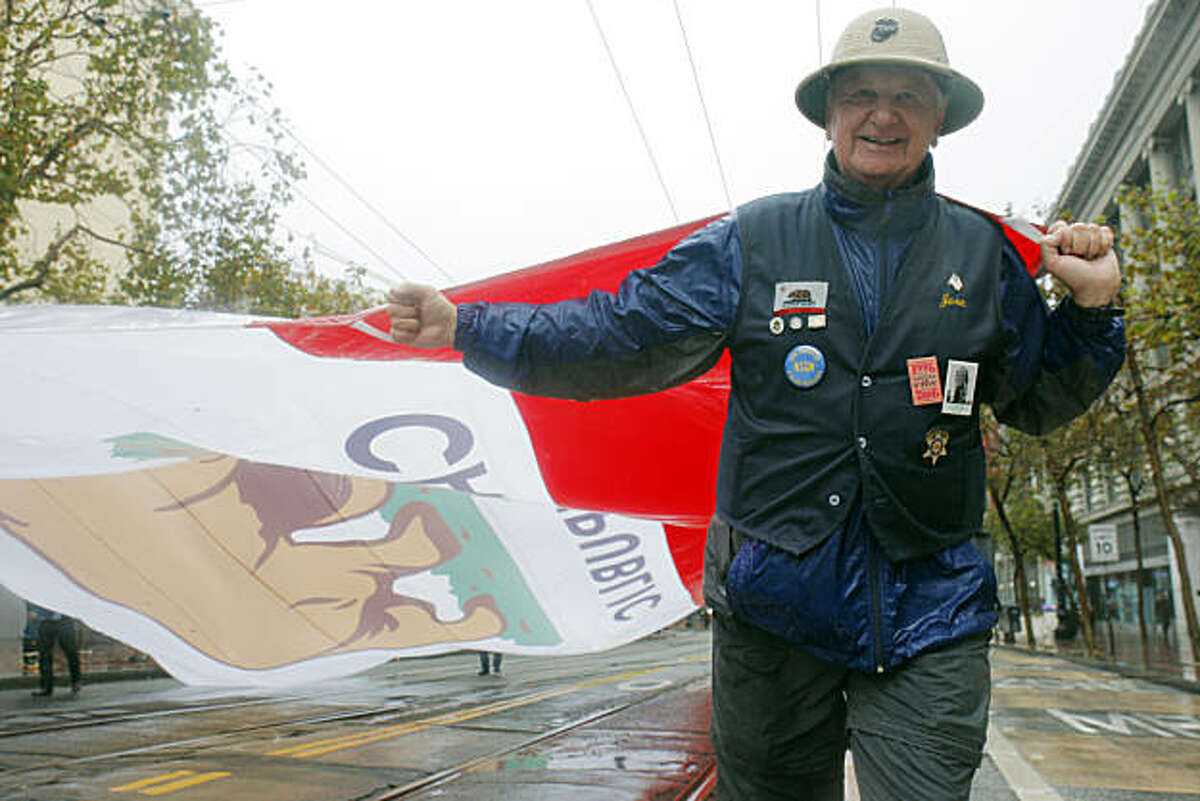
[(1156, 73)]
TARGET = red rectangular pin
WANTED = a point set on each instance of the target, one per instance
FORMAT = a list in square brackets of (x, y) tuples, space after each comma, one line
[(924, 380)]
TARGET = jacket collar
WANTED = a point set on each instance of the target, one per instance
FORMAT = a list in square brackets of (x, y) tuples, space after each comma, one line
[(864, 210)]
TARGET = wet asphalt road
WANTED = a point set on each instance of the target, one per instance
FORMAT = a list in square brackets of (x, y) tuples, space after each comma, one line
[(627, 724)]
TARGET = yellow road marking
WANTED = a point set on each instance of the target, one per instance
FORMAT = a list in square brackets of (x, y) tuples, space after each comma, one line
[(183, 784), (128, 788), (321, 747), (365, 738)]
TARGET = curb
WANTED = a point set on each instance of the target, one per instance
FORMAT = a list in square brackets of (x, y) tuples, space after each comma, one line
[(1022, 778)]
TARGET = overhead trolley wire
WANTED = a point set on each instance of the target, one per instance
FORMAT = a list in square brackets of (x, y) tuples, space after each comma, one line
[(324, 251), (820, 55), (359, 197), (703, 106), (266, 163), (633, 111), (351, 234)]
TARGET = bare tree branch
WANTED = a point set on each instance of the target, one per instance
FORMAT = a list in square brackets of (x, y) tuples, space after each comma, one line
[(41, 268), (60, 147)]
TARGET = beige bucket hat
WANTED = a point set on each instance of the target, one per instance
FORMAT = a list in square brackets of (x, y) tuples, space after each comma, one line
[(893, 36)]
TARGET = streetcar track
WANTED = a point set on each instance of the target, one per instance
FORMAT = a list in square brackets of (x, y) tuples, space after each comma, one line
[(100, 720), (449, 717), (132, 717), (455, 714), (447, 775), (136, 716), (191, 742)]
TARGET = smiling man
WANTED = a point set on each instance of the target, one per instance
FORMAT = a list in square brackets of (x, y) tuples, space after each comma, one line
[(867, 320), (882, 121)]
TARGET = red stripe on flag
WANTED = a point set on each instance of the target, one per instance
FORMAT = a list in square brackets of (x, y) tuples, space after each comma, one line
[(1025, 236), (365, 335)]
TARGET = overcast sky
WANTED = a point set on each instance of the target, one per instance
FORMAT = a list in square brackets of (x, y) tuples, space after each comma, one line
[(496, 135)]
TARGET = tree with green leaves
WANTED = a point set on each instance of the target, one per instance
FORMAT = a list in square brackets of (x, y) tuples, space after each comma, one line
[(122, 132), (1062, 452), (1161, 244), (1117, 450), (1014, 507)]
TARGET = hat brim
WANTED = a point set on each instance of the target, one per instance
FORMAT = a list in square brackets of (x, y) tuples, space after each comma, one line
[(962, 106)]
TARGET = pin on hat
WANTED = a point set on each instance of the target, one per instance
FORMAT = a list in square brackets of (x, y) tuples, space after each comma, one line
[(898, 37)]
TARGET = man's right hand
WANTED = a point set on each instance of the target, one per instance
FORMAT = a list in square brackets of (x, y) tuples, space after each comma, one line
[(421, 316)]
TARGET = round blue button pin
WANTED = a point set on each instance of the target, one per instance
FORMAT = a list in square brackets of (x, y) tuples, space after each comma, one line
[(804, 366)]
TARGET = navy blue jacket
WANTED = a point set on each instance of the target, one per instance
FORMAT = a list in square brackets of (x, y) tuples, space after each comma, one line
[(842, 600)]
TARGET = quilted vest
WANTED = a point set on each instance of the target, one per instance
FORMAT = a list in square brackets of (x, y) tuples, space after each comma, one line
[(820, 416)]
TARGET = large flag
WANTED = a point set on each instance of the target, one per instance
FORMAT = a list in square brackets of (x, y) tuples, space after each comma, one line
[(264, 502)]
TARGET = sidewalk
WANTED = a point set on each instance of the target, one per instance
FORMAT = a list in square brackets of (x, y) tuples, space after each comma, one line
[(1063, 729), (1119, 648)]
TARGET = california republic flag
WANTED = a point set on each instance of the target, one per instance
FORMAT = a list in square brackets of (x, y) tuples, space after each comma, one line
[(264, 502)]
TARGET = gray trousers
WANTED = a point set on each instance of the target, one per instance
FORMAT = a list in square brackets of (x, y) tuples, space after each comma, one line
[(783, 719)]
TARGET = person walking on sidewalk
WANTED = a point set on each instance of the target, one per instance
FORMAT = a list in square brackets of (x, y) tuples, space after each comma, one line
[(54, 627), (1162, 614), (851, 606)]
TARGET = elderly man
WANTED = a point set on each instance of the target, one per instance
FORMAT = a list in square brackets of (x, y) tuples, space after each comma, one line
[(867, 319)]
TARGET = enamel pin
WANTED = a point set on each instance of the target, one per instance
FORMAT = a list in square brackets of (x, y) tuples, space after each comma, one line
[(955, 296), (936, 441), (924, 381), (804, 366), (801, 297)]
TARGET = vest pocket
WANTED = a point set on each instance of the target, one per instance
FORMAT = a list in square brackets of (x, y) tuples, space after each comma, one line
[(921, 503)]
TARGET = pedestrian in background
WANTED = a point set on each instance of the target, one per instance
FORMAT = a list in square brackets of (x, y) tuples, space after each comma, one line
[(55, 628), (1162, 614), (29, 643), (497, 658)]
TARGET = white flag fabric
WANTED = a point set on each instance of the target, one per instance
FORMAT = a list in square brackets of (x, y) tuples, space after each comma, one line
[(251, 504)]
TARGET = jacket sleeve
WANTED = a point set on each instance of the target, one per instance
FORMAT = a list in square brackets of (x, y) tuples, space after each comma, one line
[(1055, 363), (664, 326)]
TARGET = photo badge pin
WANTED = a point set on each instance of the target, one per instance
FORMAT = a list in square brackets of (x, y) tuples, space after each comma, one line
[(960, 387)]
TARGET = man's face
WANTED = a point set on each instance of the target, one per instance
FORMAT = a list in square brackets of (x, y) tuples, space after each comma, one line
[(882, 121)]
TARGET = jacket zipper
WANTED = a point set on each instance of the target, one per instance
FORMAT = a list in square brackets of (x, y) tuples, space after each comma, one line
[(881, 290), (876, 604), (882, 282)]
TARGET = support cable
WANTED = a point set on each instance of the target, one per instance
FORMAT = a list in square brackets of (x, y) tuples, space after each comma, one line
[(633, 111), (820, 55), (300, 193), (703, 106), (326, 252), (358, 196), (351, 234)]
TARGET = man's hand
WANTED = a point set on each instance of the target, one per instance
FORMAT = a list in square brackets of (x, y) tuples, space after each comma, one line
[(1081, 256), (421, 316)]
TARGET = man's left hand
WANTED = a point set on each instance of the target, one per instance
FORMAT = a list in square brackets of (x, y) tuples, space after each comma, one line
[(1081, 256)]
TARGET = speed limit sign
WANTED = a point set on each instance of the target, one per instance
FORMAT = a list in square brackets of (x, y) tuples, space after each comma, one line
[(1103, 539)]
